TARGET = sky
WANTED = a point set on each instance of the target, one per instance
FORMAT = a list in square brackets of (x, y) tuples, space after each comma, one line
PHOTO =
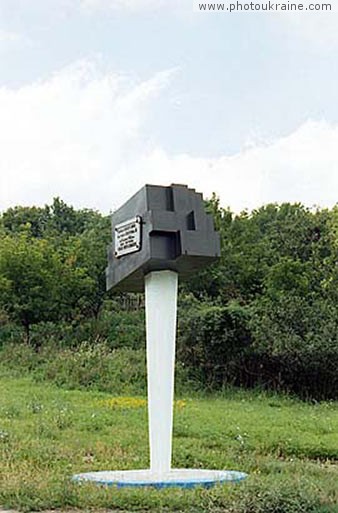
[(99, 97)]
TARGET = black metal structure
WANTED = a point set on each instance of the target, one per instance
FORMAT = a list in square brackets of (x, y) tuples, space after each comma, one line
[(160, 228)]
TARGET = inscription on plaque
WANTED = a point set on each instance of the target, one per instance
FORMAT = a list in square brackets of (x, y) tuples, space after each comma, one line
[(128, 237)]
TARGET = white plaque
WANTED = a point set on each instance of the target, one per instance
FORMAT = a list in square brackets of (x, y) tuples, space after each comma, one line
[(128, 237)]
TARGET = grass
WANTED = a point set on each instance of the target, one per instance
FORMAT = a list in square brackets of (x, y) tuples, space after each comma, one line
[(289, 448)]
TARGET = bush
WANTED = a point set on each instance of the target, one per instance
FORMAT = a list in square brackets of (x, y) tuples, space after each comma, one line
[(9, 333), (118, 371), (211, 341), (97, 367), (295, 347), (288, 343), (117, 328), (122, 328)]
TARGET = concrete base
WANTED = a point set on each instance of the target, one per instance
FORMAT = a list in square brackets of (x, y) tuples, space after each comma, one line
[(182, 478)]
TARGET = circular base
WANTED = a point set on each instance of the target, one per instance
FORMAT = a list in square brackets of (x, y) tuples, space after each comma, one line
[(183, 478)]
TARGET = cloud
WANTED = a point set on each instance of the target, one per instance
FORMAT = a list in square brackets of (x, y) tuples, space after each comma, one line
[(302, 166), (7, 36), (70, 135), (84, 135)]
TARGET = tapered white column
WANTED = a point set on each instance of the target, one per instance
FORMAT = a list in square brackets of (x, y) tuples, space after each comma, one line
[(161, 315)]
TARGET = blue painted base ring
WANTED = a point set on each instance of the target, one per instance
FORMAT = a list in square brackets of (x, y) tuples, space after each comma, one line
[(182, 478)]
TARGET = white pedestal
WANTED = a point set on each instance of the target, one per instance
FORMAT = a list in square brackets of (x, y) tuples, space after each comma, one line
[(161, 314)]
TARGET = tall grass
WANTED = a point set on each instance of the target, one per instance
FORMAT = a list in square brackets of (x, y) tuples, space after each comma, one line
[(96, 367), (47, 434)]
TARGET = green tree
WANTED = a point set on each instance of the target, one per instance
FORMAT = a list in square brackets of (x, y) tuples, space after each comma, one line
[(35, 284), (32, 220), (57, 219), (88, 254)]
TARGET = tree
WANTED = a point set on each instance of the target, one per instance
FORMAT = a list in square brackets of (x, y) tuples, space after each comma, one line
[(57, 219), (32, 220), (35, 284), (87, 252)]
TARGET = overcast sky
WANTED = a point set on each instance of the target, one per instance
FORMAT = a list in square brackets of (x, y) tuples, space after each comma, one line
[(99, 97)]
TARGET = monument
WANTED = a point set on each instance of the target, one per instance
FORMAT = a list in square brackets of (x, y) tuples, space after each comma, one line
[(160, 234)]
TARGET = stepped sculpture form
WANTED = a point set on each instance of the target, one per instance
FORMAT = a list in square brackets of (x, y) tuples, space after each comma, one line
[(159, 235)]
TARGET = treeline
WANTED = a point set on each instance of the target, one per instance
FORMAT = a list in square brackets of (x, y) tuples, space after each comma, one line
[(265, 315)]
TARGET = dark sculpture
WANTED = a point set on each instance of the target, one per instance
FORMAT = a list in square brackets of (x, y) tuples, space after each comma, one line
[(160, 228)]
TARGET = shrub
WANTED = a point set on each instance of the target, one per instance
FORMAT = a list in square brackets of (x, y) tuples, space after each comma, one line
[(117, 328), (97, 367), (211, 340), (295, 347), (118, 371)]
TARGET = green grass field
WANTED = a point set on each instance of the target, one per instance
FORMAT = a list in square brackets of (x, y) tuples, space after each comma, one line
[(289, 448)]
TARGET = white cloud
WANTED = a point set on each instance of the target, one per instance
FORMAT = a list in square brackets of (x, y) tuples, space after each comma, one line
[(7, 36), (71, 134), (83, 135), (300, 167)]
